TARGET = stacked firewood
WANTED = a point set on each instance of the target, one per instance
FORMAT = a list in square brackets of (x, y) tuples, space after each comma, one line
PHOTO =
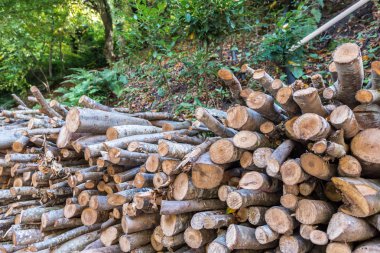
[(288, 169)]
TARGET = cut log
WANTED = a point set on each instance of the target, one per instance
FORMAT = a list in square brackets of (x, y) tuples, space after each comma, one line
[(280, 220), (140, 223), (242, 237), (174, 224), (96, 121), (59, 108), (243, 118), (278, 157), (264, 104), (292, 173), (198, 238), (205, 174), (364, 147), (312, 212), (317, 167), (343, 118), (317, 81), (231, 81), (219, 245), (45, 106), (319, 237), (346, 228), (309, 102), (212, 123), (289, 201), (116, 132), (368, 115), (244, 198), (340, 247), (256, 215), (360, 195), (187, 206), (312, 127), (294, 243), (349, 66), (261, 157), (368, 246), (262, 77), (133, 241), (258, 181), (183, 189), (224, 151), (285, 98), (264, 234), (250, 140), (173, 150), (90, 216), (367, 96)]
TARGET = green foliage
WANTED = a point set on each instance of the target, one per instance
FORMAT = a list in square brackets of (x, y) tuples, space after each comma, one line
[(288, 30), (102, 86)]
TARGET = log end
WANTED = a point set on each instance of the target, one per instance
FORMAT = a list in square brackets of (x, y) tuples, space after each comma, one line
[(73, 120), (346, 53)]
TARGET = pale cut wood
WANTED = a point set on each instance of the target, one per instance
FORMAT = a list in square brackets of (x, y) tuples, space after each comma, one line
[(243, 118), (265, 80), (116, 132), (285, 98), (219, 245), (364, 147), (174, 224), (360, 195), (231, 81), (264, 234), (307, 187), (367, 96), (140, 223), (309, 102), (187, 206), (335, 150), (173, 150), (198, 238), (349, 66), (133, 241), (343, 118), (367, 115), (92, 104), (312, 212), (242, 237), (294, 243), (261, 157), (264, 104), (317, 167), (368, 246), (278, 157), (59, 108), (184, 189), (250, 140), (319, 237), (254, 180), (292, 173), (205, 174), (311, 126), (346, 228), (341, 247), (305, 230), (212, 123), (280, 220), (198, 220), (224, 190), (96, 121), (223, 151), (175, 125), (244, 198), (90, 216), (256, 215)]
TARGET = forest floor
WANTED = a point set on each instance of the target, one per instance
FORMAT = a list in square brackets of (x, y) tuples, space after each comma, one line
[(184, 92)]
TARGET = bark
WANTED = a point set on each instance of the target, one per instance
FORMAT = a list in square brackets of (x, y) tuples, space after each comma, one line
[(265, 80), (368, 246), (242, 118), (223, 151), (116, 132), (317, 167), (173, 150), (264, 104), (134, 241), (261, 157), (45, 106), (312, 127), (219, 245), (349, 66), (78, 243), (285, 98), (142, 147), (292, 173), (312, 212), (198, 238), (119, 198), (343, 118), (256, 215), (309, 102), (258, 181), (90, 216), (183, 189), (264, 234), (175, 125), (244, 198), (187, 206), (59, 108), (345, 228), (232, 82), (278, 157), (97, 122), (317, 81), (92, 104), (198, 219), (242, 237), (212, 123), (140, 223), (280, 220), (368, 116), (250, 140), (294, 243)]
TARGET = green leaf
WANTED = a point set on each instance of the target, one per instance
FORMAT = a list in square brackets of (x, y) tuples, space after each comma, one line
[(297, 71), (161, 92), (317, 14)]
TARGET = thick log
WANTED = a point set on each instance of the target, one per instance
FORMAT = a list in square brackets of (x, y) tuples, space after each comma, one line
[(243, 118), (96, 121), (258, 181), (364, 147), (368, 115), (250, 140), (116, 132), (360, 195), (265, 80), (346, 228), (309, 102), (133, 241), (174, 224), (317, 167), (59, 108), (242, 237), (264, 104), (187, 206), (224, 151), (264, 234), (183, 189), (140, 223), (341, 247), (289, 201), (206, 174), (231, 81), (212, 123), (349, 66), (343, 118), (256, 215), (312, 212), (368, 246), (280, 220), (278, 157), (285, 98), (119, 198), (292, 173), (368, 96), (198, 238), (244, 198), (294, 243), (319, 237), (173, 150), (90, 216), (219, 245), (311, 126), (261, 157)]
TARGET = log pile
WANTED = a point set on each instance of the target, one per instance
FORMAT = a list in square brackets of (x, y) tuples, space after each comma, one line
[(288, 169)]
